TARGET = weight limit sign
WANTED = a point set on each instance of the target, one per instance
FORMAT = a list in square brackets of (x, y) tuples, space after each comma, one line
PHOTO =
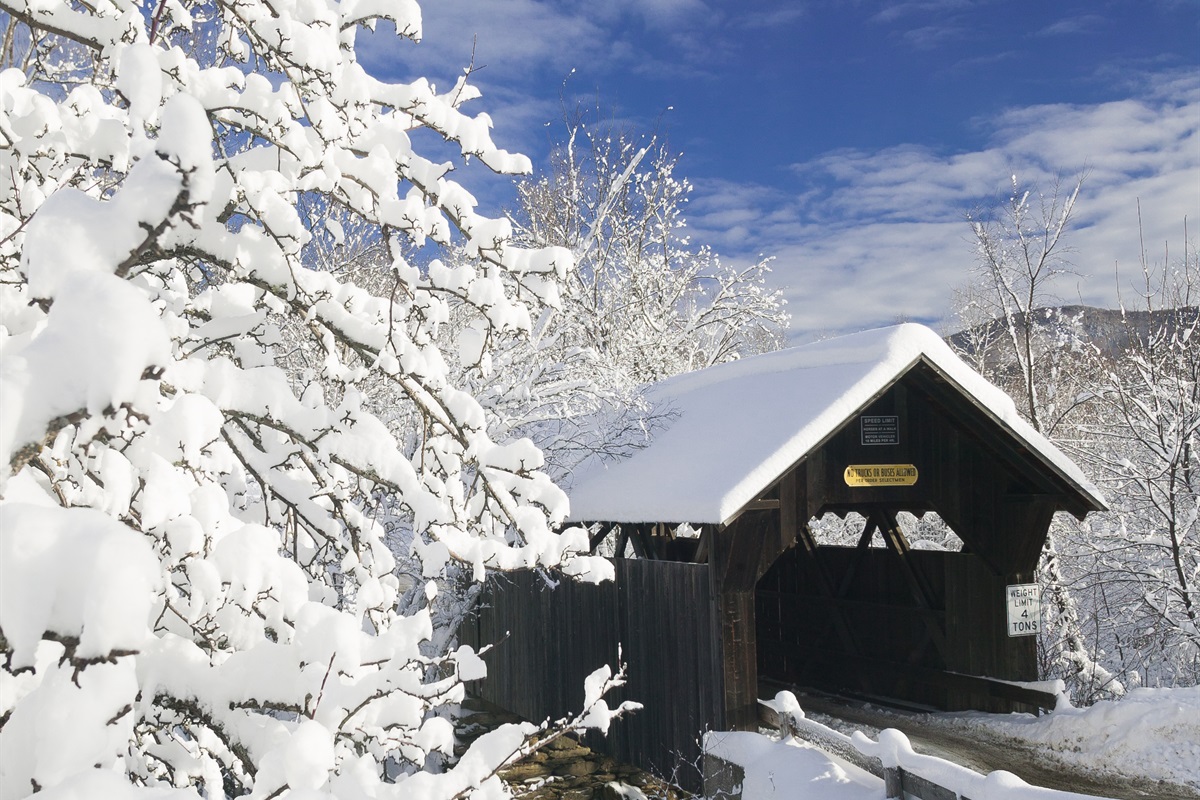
[(1024, 609)]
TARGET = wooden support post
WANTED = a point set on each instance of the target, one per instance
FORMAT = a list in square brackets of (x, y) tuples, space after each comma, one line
[(643, 545), (739, 555), (703, 549), (739, 649), (736, 552), (864, 543)]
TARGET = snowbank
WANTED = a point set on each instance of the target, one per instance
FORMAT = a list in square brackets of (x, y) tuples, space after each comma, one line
[(893, 749), (1150, 732)]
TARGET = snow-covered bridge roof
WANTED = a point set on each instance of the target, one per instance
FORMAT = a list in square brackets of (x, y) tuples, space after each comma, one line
[(742, 425)]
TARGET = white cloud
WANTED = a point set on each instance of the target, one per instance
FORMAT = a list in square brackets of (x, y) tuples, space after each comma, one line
[(670, 12), (1067, 26), (891, 12), (509, 37), (871, 236), (929, 37)]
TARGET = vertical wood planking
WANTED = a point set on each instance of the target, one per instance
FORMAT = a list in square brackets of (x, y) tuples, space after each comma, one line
[(656, 610)]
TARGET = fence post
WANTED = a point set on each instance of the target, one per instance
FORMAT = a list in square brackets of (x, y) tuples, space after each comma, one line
[(722, 779)]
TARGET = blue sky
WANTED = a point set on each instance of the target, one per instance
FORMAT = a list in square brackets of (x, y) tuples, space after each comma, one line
[(848, 138)]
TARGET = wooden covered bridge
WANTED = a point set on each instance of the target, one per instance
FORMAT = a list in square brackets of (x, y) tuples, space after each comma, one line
[(873, 424)]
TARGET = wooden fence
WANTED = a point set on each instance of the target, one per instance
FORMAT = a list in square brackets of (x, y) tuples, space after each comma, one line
[(548, 640)]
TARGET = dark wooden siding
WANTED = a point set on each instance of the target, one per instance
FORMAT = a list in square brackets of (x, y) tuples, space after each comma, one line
[(872, 638), (977, 631), (548, 640), (987, 489)]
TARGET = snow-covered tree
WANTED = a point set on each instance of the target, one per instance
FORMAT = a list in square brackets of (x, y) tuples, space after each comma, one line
[(197, 598), (644, 297), (1142, 439), (1121, 398), (1020, 252)]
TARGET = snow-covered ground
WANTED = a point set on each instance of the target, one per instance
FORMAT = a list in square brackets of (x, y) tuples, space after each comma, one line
[(1150, 733), (1151, 736)]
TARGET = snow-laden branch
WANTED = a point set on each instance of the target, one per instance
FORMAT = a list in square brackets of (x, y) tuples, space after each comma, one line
[(200, 427)]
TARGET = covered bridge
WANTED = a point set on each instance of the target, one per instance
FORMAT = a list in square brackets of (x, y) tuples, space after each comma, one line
[(875, 424)]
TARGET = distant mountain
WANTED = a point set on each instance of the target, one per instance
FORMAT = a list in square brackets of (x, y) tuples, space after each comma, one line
[(1108, 329)]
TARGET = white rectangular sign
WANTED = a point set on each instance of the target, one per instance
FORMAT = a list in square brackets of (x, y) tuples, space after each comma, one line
[(1024, 609), (880, 429)]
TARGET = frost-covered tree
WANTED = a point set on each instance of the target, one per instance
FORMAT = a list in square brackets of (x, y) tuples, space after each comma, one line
[(1020, 252), (649, 301), (197, 598), (1122, 399), (1141, 437)]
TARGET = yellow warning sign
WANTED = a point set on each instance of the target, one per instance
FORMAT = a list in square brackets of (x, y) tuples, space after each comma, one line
[(881, 475)]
